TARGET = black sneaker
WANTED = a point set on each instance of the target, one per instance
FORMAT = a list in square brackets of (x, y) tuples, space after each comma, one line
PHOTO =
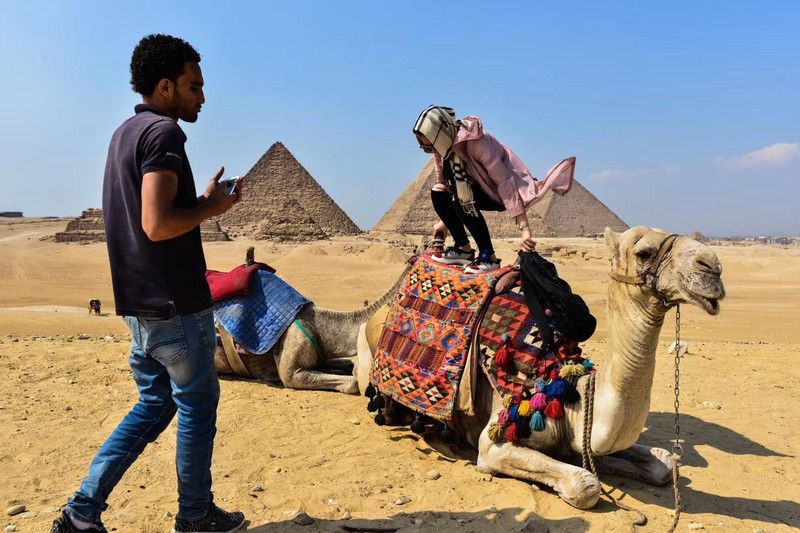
[(63, 524), (216, 521), (454, 256)]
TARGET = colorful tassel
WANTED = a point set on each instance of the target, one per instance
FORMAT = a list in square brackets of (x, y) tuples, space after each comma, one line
[(539, 385), (504, 359), (370, 391), (515, 399), (526, 394), (555, 389), (523, 429), (571, 370), (571, 394), (539, 401), (554, 410), (513, 414), (555, 373), (511, 433), (502, 417), (495, 432), (524, 408), (537, 421)]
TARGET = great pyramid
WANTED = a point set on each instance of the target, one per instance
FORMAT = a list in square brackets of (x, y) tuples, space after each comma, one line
[(578, 213), (283, 201), (89, 228)]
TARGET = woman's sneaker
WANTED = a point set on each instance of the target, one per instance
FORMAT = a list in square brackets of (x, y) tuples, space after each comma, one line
[(482, 264), (454, 256), (216, 521)]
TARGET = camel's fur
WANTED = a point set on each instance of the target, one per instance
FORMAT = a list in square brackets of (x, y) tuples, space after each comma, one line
[(294, 361), (689, 273)]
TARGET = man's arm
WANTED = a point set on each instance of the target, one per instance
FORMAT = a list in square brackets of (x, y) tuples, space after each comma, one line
[(161, 220)]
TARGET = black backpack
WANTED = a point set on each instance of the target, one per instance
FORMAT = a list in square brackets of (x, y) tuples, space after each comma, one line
[(544, 289)]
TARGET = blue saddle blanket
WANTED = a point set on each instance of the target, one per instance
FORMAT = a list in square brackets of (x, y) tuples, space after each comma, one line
[(258, 320)]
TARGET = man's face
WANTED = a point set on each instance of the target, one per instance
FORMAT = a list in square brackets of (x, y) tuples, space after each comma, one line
[(188, 97)]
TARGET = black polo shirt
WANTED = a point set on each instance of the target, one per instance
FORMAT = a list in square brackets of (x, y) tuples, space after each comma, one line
[(151, 279)]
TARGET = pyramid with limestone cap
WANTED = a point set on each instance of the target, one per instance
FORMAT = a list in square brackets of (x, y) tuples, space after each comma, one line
[(279, 190), (576, 214)]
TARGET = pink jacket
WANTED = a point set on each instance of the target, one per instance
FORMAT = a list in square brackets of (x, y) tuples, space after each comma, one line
[(500, 173)]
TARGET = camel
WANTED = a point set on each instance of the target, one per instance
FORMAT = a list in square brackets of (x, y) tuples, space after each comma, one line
[(295, 360), (651, 272)]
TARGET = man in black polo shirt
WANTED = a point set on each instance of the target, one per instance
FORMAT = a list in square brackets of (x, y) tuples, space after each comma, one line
[(152, 216)]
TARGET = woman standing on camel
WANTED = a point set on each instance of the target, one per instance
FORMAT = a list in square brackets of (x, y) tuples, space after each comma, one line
[(475, 172)]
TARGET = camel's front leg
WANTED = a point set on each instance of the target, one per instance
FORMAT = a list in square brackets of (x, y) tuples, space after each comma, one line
[(297, 359), (576, 486), (643, 463)]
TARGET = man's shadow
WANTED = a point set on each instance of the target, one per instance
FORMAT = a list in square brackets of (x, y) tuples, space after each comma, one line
[(509, 519)]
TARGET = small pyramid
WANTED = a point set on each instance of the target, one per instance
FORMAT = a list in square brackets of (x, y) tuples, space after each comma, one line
[(279, 182), (578, 213), (89, 227)]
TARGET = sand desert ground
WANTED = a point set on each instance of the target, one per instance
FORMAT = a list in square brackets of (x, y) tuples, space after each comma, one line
[(280, 451)]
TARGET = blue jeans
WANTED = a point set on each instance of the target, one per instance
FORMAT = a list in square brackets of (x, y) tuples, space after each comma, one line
[(173, 366)]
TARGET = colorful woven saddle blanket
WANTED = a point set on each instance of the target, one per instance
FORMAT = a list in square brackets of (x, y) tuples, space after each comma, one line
[(258, 319), (534, 383), (422, 349)]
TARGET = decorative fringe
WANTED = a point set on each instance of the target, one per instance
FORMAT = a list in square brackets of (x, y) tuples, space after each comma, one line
[(380, 402), (524, 408), (370, 391), (495, 432), (513, 414), (537, 421), (502, 417), (555, 389), (511, 433), (380, 419), (523, 430), (504, 358), (393, 410), (448, 435), (571, 394), (539, 401), (571, 370), (418, 425), (539, 385), (554, 410)]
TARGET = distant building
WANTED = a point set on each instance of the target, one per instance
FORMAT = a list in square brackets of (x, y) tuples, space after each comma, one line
[(11, 214)]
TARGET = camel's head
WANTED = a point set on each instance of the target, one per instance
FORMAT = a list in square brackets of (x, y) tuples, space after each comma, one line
[(675, 269)]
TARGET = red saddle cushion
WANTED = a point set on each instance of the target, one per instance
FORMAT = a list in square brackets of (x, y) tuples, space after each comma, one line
[(237, 282)]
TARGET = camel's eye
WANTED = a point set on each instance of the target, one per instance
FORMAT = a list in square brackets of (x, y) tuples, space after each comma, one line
[(644, 254)]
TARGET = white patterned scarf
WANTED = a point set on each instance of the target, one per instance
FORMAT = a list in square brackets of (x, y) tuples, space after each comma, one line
[(438, 126)]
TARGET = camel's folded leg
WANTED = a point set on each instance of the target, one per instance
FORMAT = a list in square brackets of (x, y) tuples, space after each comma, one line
[(364, 360), (643, 463), (578, 487), (298, 378)]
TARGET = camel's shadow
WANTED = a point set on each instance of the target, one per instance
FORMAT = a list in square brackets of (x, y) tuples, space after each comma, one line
[(660, 429), (509, 519), (697, 432)]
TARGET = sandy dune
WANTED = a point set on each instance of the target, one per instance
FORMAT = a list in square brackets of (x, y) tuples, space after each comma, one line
[(279, 451)]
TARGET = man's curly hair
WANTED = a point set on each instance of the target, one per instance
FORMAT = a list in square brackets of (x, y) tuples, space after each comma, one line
[(156, 57)]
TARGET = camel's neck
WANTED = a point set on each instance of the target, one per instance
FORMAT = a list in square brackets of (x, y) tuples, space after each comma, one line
[(625, 378)]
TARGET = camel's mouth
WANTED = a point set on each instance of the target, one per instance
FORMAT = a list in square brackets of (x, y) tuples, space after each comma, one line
[(709, 305)]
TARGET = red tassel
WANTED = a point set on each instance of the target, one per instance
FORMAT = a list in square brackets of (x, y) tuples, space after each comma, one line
[(504, 358), (511, 433), (554, 410)]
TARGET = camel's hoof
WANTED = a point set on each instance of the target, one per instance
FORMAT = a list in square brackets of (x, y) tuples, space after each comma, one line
[(660, 470), (584, 490), (351, 387)]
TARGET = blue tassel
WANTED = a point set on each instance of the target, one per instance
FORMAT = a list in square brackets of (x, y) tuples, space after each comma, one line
[(555, 389), (587, 364), (513, 414), (537, 421)]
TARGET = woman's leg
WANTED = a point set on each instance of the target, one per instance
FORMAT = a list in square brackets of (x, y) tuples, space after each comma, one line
[(443, 205), (477, 225)]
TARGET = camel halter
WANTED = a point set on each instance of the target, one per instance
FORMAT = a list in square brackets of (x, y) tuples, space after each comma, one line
[(588, 414)]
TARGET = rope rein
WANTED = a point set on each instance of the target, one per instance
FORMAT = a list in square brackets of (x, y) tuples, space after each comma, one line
[(677, 450)]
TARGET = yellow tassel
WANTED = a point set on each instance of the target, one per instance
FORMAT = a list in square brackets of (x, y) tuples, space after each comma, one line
[(571, 370), (524, 408), (495, 431), (507, 401)]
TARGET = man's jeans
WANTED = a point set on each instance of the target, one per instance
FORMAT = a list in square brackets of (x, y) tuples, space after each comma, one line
[(173, 365)]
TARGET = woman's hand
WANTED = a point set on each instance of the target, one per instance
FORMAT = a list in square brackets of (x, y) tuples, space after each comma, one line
[(526, 242)]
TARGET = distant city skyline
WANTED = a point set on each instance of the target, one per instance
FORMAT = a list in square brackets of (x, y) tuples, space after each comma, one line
[(682, 115)]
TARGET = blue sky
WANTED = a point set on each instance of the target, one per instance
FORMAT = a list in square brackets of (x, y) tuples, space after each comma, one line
[(682, 115)]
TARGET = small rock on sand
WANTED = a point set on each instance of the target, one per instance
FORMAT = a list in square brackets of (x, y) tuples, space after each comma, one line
[(15, 509)]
